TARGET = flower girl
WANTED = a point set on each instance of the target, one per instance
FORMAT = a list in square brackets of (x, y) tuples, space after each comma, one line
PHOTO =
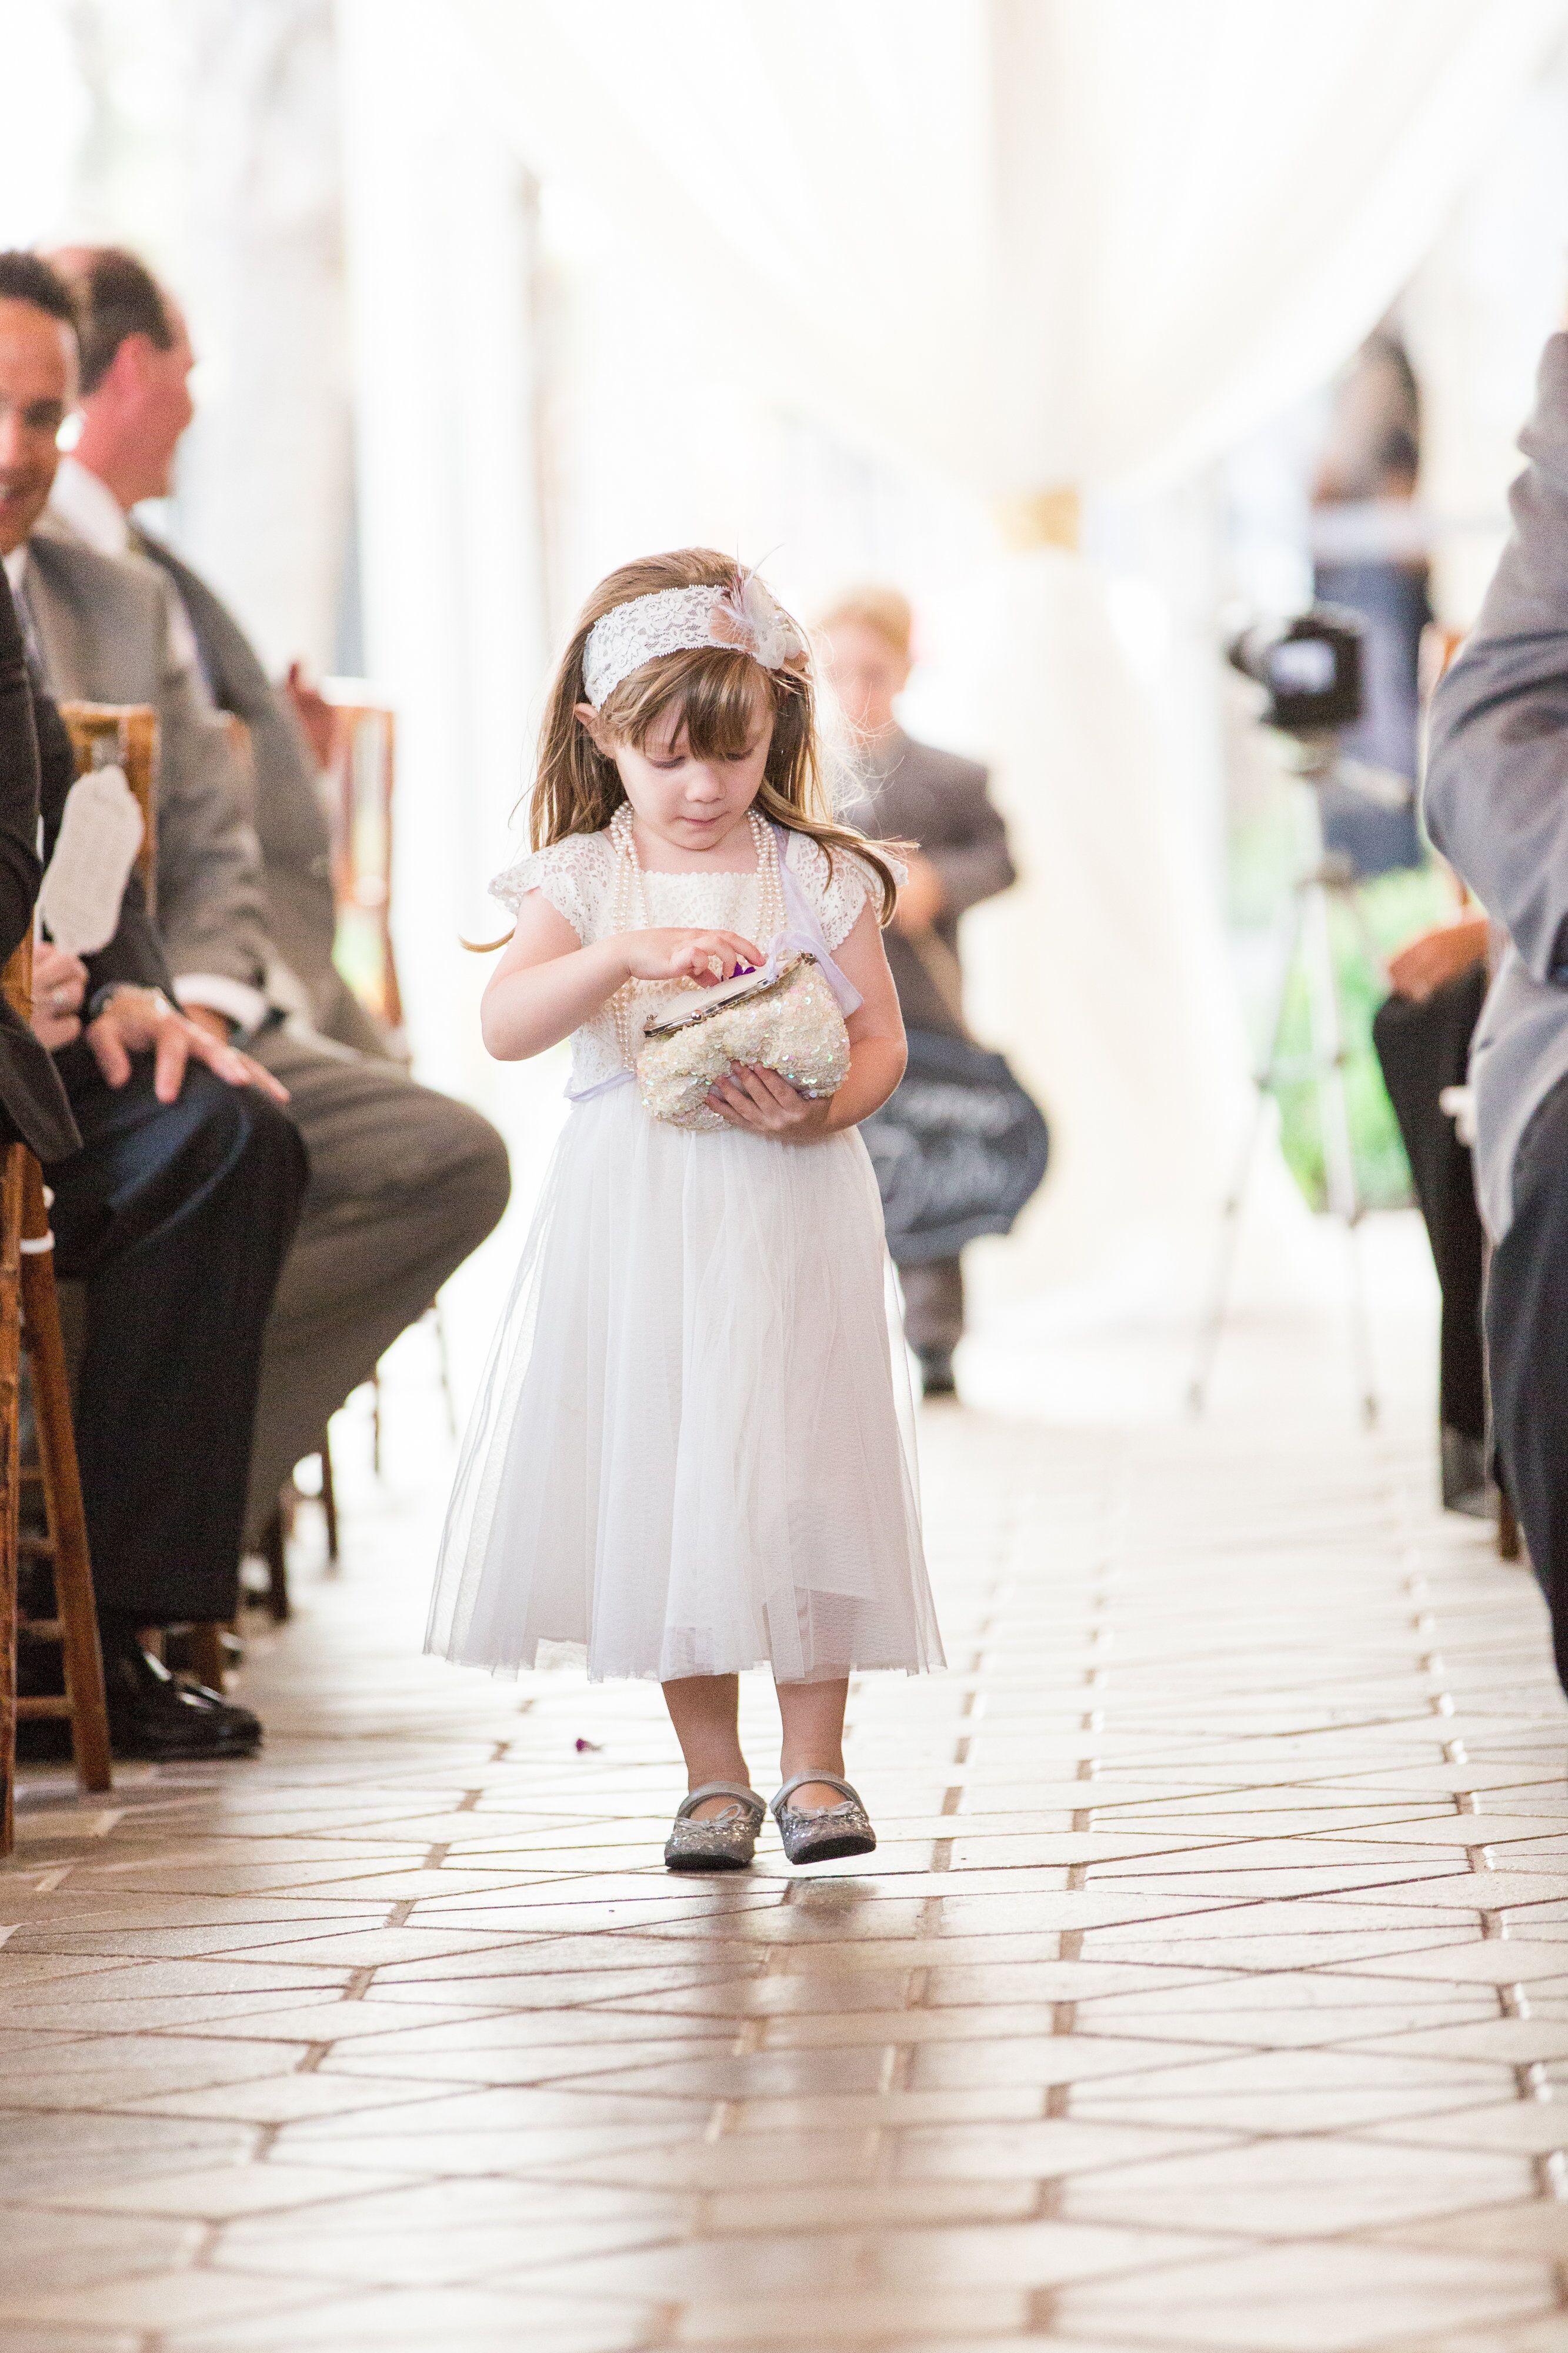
[(692, 1453)]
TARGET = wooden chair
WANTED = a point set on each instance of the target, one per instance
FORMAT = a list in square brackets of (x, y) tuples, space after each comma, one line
[(361, 772), (10, 1420), (361, 767), (29, 1319)]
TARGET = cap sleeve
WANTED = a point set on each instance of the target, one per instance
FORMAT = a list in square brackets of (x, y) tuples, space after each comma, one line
[(570, 874), (838, 884)]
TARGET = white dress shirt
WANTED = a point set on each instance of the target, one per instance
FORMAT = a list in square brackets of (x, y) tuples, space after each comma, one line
[(86, 507)]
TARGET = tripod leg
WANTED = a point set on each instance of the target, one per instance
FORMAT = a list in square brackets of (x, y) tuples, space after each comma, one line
[(1213, 1325), (1333, 1116)]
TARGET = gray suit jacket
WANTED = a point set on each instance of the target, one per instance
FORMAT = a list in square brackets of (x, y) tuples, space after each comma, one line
[(1497, 796), (941, 802), (104, 625), (290, 822)]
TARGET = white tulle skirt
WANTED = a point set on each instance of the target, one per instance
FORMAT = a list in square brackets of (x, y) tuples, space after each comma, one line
[(693, 1450)]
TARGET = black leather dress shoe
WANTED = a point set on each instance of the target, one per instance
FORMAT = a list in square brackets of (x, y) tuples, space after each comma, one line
[(155, 1715), (936, 1373)]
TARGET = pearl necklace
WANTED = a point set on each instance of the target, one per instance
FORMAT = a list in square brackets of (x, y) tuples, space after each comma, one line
[(631, 915)]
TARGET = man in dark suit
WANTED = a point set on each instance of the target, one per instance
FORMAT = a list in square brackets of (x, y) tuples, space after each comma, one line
[(33, 1106), (405, 1182), (915, 793), (176, 1181)]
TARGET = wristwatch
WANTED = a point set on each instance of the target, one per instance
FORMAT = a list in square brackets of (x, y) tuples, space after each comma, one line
[(113, 988)]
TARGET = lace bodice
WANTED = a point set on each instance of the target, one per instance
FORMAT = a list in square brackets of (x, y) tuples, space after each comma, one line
[(578, 877)]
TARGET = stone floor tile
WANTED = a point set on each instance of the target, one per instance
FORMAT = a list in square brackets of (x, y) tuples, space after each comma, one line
[(20, 2338), (218, 2193), (164, 2301), (478, 2320), (1302, 2187), (1548, 2333), (1327, 2298), (55, 2253), (876, 2317), (1530, 2126)]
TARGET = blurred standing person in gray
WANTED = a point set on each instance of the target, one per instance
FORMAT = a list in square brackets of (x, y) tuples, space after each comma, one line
[(404, 1182), (1497, 807), (916, 793)]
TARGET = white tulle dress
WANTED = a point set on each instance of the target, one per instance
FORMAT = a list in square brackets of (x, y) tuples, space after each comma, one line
[(692, 1453)]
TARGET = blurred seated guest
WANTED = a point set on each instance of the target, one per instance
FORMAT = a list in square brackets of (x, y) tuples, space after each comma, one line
[(1422, 1034), (404, 1182), (916, 793), (177, 1182), (1497, 807), (135, 405)]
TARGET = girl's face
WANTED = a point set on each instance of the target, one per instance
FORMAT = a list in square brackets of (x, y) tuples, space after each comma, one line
[(690, 803)]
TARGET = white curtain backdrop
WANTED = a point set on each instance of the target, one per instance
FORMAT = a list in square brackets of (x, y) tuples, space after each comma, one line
[(1029, 245)]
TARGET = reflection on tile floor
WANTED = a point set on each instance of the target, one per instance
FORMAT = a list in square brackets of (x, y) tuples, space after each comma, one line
[(1209, 1989)]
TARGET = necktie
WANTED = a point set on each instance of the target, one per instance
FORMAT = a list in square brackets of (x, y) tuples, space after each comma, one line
[(32, 644)]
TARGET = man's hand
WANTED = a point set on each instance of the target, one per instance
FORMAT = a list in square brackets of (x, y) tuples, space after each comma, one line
[(313, 712), (137, 1020), (923, 898), (1426, 963), (59, 984), (207, 1017), (754, 1097)]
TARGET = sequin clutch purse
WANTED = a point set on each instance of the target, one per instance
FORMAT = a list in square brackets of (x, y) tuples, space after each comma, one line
[(789, 1024)]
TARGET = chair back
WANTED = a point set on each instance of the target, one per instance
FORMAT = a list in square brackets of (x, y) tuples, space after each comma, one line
[(16, 980), (123, 735), (360, 775)]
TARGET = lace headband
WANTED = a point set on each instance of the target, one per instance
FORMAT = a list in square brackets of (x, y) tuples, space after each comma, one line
[(744, 616)]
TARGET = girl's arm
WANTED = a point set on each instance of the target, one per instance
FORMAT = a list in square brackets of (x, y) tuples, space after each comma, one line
[(759, 1099), (548, 984)]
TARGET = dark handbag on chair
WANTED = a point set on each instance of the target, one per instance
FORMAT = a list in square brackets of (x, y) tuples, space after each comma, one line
[(958, 1148)]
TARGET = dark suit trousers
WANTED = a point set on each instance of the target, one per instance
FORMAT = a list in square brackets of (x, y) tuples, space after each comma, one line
[(1424, 1049), (177, 1217), (1527, 1354)]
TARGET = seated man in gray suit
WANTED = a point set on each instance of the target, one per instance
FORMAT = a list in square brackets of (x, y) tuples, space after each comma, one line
[(1497, 807), (135, 406), (916, 793), (177, 1190), (404, 1183)]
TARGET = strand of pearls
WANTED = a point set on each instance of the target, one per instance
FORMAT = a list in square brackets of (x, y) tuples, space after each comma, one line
[(631, 915)]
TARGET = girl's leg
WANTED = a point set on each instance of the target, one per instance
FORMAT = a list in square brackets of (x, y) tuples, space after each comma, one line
[(705, 1710), (813, 1717)]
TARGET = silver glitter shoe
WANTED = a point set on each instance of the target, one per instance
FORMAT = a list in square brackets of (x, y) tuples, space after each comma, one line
[(725, 1841), (820, 1833)]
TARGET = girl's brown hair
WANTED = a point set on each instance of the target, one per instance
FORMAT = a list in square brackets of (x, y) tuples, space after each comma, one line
[(713, 691)]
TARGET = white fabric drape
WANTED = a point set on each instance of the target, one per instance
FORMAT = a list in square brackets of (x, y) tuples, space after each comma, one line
[(1035, 241), (438, 232), (1030, 244)]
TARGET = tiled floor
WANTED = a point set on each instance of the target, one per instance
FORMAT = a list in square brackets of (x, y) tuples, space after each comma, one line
[(1209, 1989)]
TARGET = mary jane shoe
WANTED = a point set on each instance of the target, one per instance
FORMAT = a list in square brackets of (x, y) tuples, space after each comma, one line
[(818, 1833), (725, 1841)]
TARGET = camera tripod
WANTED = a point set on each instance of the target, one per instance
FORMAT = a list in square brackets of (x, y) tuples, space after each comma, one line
[(1328, 880)]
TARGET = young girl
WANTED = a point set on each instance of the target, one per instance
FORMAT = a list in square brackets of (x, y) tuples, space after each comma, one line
[(688, 1454)]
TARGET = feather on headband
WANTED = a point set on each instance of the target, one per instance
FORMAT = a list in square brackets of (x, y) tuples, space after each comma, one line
[(744, 616)]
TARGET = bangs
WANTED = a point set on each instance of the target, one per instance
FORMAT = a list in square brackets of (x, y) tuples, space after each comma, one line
[(718, 695)]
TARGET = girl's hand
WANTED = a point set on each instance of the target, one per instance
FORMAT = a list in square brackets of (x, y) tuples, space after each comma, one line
[(757, 1098), (700, 956)]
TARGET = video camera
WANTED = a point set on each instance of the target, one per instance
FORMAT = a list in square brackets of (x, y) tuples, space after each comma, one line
[(1310, 667)]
